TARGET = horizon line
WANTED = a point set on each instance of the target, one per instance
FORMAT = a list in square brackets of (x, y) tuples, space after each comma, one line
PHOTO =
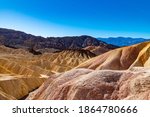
[(70, 35)]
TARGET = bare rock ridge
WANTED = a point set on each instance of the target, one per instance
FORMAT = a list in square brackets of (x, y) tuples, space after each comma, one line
[(17, 39), (119, 74)]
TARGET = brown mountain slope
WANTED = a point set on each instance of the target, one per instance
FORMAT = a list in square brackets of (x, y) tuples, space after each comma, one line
[(18, 39), (120, 59), (85, 84)]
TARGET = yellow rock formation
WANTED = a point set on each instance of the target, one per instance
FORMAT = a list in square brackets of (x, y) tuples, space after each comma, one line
[(22, 72)]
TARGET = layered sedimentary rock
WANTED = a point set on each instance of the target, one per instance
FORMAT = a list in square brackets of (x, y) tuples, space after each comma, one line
[(22, 72), (18, 61), (62, 61), (17, 78), (85, 84), (21, 62)]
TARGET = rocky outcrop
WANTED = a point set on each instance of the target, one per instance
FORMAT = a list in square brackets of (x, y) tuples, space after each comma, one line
[(85, 84)]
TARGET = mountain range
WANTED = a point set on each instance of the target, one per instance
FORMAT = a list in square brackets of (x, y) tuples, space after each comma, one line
[(123, 41), (17, 39)]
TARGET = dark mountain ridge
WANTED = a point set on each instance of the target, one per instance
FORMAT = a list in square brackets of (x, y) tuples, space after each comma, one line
[(18, 39)]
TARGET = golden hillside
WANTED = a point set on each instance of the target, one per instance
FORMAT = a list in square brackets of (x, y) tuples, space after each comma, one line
[(22, 72), (121, 59)]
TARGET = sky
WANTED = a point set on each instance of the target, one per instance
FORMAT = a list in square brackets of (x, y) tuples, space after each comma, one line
[(98, 18)]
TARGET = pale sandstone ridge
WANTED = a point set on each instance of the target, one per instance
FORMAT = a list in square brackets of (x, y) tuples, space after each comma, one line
[(85, 84), (121, 59), (22, 72)]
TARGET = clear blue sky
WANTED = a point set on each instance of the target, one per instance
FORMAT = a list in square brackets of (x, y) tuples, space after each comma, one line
[(98, 18)]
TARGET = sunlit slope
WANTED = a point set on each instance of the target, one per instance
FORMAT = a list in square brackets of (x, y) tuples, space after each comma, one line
[(121, 59)]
